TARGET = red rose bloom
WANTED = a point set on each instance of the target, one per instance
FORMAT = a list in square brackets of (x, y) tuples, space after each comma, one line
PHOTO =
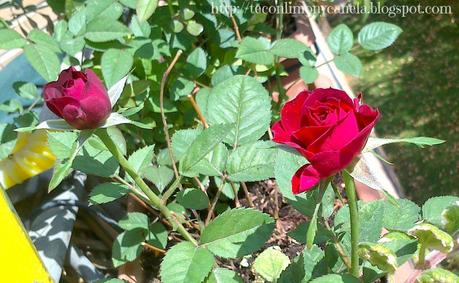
[(78, 97), (327, 128)]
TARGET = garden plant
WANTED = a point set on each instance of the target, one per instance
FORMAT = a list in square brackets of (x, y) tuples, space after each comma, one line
[(169, 103)]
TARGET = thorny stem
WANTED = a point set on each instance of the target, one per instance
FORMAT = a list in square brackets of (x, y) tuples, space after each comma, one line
[(338, 246), (197, 109), (154, 200), (163, 115), (235, 27), (214, 201), (171, 190), (247, 195), (355, 223)]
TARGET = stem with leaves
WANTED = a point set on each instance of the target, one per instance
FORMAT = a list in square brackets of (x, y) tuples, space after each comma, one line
[(154, 200), (163, 115), (355, 223)]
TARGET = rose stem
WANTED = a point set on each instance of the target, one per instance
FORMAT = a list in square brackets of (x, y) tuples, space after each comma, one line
[(163, 115), (355, 224), (215, 200), (154, 200)]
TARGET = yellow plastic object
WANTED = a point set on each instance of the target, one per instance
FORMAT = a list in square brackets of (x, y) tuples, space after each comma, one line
[(19, 261), (30, 157)]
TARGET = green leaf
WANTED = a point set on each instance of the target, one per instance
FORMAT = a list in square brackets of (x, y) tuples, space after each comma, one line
[(10, 39), (378, 35), (161, 176), (207, 140), (182, 140), (328, 202), (255, 50), (349, 64), (336, 278), (270, 263), (95, 161), (185, 263), (140, 29), (107, 192), (129, 3), (71, 45), (433, 207), (450, 218), (141, 158), (115, 63), (145, 8), (340, 39), (299, 234), (308, 74), (378, 255), (237, 232), (26, 90), (431, 237), (214, 163), (103, 8), (437, 275), (77, 22), (104, 29), (157, 235), (371, 220), (44, 39), (241, 100), (60, 29), (181, 88), (43, 60), (308, 265), (223, 275), (288, 161), (62, 144), (193, 199), (373, 142), (177, 26), (288, 48), (401, 216), (312, 228), (252, 162), (196, 63), (194, 28), (401, 244), (134, 220), (127, 246), (61, 170)]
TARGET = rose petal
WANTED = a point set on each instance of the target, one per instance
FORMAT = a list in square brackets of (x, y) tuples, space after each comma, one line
[(291, 112), (338, 136), (305, 179), (322, 94)]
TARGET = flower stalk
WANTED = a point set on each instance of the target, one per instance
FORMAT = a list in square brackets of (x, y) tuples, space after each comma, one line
[(355, 223), (154, 200)]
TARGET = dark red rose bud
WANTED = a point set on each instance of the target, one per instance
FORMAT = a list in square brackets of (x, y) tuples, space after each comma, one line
[(328, 128), (78, 97)]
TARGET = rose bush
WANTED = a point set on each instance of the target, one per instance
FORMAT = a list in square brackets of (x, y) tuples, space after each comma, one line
[(327, 128), (183, 131), (79, 97)]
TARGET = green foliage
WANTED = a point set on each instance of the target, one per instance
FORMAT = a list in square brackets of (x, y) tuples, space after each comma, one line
[(251, 162), (435, 275), (223, 275), (237, 232), (244, 102), (378, 35), (270, 264), (340, 40), (255, 50), (193, 199), (433, 207), (186, 263), (9, 39), (349, 64), (145, 8), (107, 192), (115, 63), (43, 60)]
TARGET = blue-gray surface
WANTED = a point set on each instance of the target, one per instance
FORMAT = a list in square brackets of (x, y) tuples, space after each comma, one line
[(17, 70)]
